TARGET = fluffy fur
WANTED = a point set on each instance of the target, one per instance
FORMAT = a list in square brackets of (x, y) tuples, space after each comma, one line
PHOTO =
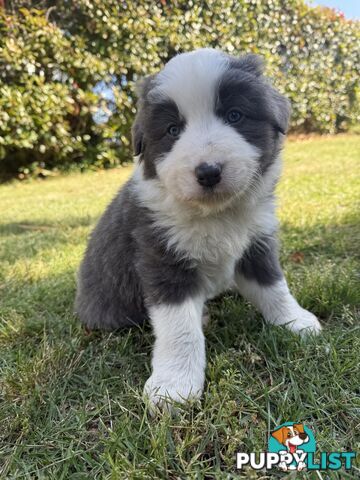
[(167, 243)]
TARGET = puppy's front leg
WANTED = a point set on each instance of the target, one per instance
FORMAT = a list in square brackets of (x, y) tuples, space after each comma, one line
[(259, 278), (178, 363)]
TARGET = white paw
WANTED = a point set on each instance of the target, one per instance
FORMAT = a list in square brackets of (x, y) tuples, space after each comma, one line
[(304, 323), (283, 466), (301, 466), (162, 392)]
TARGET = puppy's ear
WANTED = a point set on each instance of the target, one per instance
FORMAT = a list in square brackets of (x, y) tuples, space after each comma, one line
[(279, 434), (250, 63), (143, 86), (299, 427), (279, 109), (142, 89), (137, 138)]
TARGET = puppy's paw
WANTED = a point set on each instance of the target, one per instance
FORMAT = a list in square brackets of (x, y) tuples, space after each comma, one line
[(283, 466), (163, 392), (301, 466), (304, 323)]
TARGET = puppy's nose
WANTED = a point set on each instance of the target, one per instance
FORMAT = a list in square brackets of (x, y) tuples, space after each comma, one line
[(302, 436), (208, 175)]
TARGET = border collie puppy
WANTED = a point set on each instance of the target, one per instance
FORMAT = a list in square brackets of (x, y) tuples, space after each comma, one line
[(196, 218)]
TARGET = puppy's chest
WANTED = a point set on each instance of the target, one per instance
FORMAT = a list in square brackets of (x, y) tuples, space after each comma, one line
[(217, 277), (215, 247)]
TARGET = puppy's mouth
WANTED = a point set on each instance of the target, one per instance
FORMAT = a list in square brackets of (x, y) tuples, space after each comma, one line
[(292, 447), (213, 195), (227, 189), (209, 201)]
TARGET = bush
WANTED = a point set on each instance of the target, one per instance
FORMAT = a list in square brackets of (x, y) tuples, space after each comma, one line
[(46, 100), (311, 53)]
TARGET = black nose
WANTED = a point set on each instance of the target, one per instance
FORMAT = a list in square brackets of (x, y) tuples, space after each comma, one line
[(208, 175), (302, 436)]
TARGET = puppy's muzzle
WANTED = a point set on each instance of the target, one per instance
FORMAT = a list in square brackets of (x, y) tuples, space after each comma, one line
[(208, 175)]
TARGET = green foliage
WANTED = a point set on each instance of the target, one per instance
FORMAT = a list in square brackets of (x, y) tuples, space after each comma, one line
[(312, 55), (46, 101)]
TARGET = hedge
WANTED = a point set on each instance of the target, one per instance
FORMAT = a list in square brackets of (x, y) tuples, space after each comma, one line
[(52, 57)]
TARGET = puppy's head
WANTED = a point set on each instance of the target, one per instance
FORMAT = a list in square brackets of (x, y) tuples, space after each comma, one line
[(291, 436), (209, 126)]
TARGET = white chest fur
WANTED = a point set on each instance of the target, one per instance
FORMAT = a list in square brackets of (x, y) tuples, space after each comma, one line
[(214, 241)]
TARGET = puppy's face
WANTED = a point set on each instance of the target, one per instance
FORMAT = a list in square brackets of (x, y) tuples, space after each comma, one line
[(292, 437), (209, 126)]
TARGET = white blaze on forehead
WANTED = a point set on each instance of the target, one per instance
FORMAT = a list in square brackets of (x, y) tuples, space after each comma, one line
[(191, 79)]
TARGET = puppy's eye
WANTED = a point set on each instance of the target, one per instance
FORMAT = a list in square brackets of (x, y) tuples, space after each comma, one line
[(173, 130), (289, 434), (234, 116)]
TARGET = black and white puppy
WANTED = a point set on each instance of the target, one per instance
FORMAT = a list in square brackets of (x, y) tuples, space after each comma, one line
[(196, 218)]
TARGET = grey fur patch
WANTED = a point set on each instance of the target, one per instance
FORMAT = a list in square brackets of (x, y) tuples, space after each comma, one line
[(260, 261), (142, 89), (126, 267), (250, 63), (150, 130), (165, 276), (265, 112)]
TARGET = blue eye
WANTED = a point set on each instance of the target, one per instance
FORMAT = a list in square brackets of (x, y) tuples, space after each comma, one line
[(174, 130), (233, 116)]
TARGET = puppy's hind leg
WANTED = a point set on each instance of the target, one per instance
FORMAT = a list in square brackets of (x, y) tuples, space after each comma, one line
[(107, 306), (259, 279)]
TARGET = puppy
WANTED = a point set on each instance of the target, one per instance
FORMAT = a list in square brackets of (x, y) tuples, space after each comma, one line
[(291, 437), (196, 218)]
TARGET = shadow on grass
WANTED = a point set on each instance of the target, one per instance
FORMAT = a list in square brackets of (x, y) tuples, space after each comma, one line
[(43, 226), (332, 240), (25, 240)]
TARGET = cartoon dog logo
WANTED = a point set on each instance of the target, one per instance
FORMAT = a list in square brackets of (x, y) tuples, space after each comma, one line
[(292, 437)]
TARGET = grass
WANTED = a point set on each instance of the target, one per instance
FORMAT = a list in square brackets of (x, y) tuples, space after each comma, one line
[(71, 404)]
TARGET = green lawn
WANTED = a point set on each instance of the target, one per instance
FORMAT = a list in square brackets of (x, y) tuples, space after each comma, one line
[(71, 404)]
